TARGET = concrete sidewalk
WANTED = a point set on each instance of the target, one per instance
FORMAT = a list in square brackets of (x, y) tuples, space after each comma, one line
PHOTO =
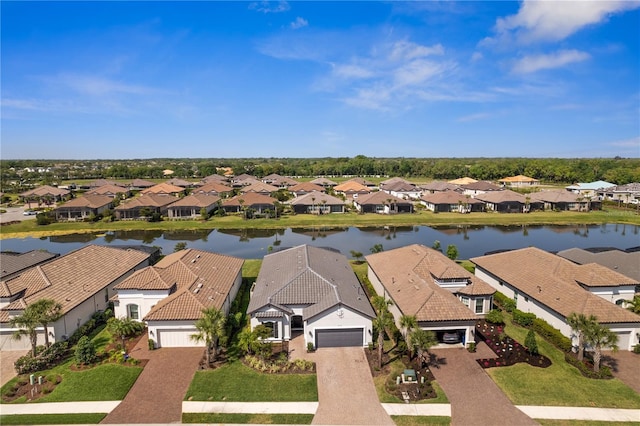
[(581, 413), (59, 407), (250, 407)]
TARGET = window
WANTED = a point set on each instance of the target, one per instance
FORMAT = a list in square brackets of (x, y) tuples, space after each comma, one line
[(106, 295), (133, 312), (479, 306), (465, 301), (515, 297), (273, 326)]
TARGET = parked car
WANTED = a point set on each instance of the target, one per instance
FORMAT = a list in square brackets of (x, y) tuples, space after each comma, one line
[(30, 213), (451, 338)]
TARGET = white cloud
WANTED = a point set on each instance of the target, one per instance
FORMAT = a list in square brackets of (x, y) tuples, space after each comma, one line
[(352, 71), (473, 117), (270, 7), (417, 72), (477, 56), (633, 142), (406, 50), (299, 23), (555, 20), (533, 63), (99, 86)]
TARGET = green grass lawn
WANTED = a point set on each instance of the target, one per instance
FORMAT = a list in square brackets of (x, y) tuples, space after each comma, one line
[(236, 382), (546, 422), (560, 384), (52, 419), (421, 420), (225, 418), (30, 228)]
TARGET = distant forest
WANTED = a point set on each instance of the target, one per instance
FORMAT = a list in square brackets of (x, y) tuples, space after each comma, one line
[(548, 170)]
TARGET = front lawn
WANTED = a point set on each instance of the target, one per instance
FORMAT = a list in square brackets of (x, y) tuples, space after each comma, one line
[(421, 420), (226, 418), (52, 419), (236, 382), (560, 384)]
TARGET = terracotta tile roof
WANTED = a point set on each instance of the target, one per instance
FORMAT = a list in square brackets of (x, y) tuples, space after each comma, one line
[(214, 188), (519, 178), (449, 197), (324, 182), (196, 200), (215, 178), (380, 198), (481, 186), (107, 189), (179, 182), (259, 187), (361, 181), (244, 179), (307, 275), (147, 200), (505, 196), (462, 181), (89, 201), (202, 279), (102, 182), (552, 280), (163, 188), (141, 183), (250, 199), (561, 196), (439, 186), (319, 199), (407, 273), (45, 190), (306, 187), (12, 263), (351, 186), (73, 278)]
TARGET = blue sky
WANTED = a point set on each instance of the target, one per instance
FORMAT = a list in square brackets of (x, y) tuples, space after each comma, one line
[(119, 80)]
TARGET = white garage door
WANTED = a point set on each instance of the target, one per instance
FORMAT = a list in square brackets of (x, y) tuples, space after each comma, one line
[(176, 338), (623, 340), (8, 343), (340, 337)]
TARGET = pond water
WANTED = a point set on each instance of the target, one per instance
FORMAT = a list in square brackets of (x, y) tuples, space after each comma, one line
[(471, 241)]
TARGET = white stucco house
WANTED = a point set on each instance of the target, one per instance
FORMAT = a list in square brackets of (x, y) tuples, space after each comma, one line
[(170, 296), (82, 281), (552, 287), (442, 295), (313, 291)]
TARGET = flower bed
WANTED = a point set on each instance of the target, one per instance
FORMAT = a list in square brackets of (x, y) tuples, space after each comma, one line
[(508, 351)]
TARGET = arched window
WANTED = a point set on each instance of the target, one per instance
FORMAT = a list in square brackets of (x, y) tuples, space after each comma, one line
[(133, 311)]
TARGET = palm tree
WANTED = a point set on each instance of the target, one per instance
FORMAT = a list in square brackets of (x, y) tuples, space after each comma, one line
[(408, 324), (633, 305), (27, 325), (579, 323), (123, 327), (422, 340), (382, 321), (210, 329), (599, 336), (47, 311)]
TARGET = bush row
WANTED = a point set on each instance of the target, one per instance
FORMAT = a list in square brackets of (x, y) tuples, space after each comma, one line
[(48, 358), (586, 370)]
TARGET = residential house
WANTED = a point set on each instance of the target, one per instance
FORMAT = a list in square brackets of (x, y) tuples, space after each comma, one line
[(110, 190), (170, 296), (180, 182), (327, 183), (402, 189), (552, 288), (393, 181), (214, 178), (214, 188), (317, 203), (463, 181), (519, 181), (422, 282), (251, 200), (140, 184), (84, 207), (451, 201), (363, 182), (381, 202), (191, 206), (589, 189), (243, 180), (351, 190), (560, 200), (281, 182), (259, 188), (624, 262), (140, 207), (479, 187), (313, 291), (45, 194), (438, 186), (13, 264), (505, 201), (100, 182), (305, 188), (164, 189), (82, 281), (627, 194)]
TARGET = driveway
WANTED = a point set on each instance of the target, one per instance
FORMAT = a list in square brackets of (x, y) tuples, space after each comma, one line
[(346, 393), (625, 366), (156, 397), (7, 359), (14, 214), (475, 399)]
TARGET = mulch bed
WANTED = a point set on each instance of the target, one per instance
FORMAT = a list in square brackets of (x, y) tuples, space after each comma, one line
[(415, 391), (508, 351)]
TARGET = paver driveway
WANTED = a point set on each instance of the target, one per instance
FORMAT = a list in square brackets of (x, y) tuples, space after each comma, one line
[(475, 399), (7, 359), (156, 397)]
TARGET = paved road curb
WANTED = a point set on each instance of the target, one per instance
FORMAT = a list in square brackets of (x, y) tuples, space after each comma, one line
[(418, 409), (581, 413)]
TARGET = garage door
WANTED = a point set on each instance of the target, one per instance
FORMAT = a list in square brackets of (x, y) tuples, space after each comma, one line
[(624, 340), (176, 338), (339, 337)]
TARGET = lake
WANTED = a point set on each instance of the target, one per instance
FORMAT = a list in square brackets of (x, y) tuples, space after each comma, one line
[(471, 241)]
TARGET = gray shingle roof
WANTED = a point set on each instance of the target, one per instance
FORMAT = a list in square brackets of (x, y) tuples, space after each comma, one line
[(12, 263), (622, 262)]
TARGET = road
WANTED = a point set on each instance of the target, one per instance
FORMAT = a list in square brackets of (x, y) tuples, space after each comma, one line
[(14, 214)]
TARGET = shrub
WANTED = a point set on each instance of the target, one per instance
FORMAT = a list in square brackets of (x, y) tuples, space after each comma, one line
[(494, 317), (83, 330), (85, 351), (587, 370), (48, 358), (310, 347), (531, 343), (152, 344), (552, 335), (471, 347), (524, 319), (504, 302), (636, 349)]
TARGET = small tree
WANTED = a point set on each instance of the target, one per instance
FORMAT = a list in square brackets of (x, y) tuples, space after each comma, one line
[(26, 325), (495, 317), (250, 340), (633, 305), (382, 320), (437, 246), (357, 255), (599, 336), (46, 311), (452, 251), (377, 248), (531, 343), (204, 215), (179, 246), (124, 327), (580, 323), (85, 351), (211, 328), (408, 324), (422, 340)]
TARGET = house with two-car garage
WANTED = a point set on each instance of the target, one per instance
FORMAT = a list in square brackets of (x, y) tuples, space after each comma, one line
[(443, 296), (312, 291), (171, 295)]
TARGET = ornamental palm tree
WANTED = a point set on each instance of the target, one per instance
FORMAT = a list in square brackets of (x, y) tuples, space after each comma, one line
[(599, 336), (47, 311), (579, 323), (123, 328), (633, 305), (408, 324), (210, 329), (26, 325), (422, 340), (382, 321)]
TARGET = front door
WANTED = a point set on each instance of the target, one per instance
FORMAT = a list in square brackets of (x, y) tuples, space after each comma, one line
[(296, 322)]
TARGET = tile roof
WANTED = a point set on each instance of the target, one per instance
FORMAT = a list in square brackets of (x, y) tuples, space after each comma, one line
[(91, 201), (147, 200), (361, 181), (519, 178), (562, 196), (319, 198), (394, 181), (179, 182), (213, 187), (626, 263), (307, 275), (505, 196), (481, 186), (408, 274), (553, 281), (380, 198), (102, 182), (449, 197), (141, 183), (462, 181), (196, 200), (250, 199), (44, 190), (306, 187), (76, 276), (162, 188), (259, 186), (215, 178), (399, 186), (351, 186), (439, 186), (324, 182), (201, 280), (107, 189), (12, 263)]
